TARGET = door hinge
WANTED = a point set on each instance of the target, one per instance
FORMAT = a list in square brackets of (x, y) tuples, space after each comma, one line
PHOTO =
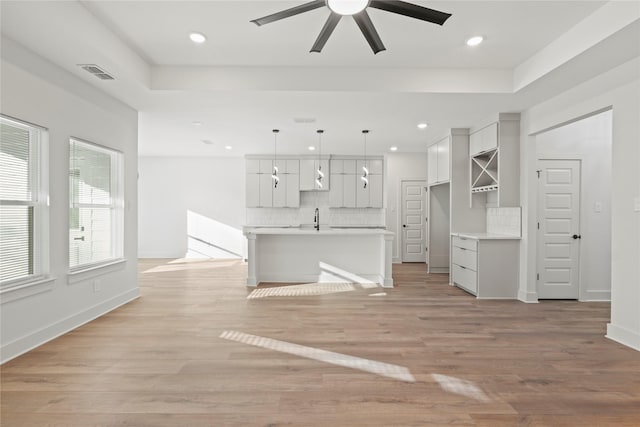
[(538, 276), (538, 172)]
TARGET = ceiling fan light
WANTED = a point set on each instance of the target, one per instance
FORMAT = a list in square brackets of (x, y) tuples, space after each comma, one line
[(347, 7)]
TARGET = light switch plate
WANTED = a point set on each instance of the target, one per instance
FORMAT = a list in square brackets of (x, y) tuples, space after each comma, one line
[(636, 204)]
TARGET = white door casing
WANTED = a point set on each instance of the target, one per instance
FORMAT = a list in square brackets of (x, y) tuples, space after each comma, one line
[(558, 259), (413, 222)]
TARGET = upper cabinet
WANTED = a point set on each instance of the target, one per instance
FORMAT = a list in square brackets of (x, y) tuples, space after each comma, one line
[(494, 156), (438, 162), (309, 175), (261, 190), (484, 140), (348, 189)]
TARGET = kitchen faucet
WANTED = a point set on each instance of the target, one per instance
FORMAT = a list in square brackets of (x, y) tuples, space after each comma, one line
[(316, 220)]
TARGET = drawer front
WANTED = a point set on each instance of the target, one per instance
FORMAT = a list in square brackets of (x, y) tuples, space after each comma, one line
[(462, 242), (465, 258), (465, 278)]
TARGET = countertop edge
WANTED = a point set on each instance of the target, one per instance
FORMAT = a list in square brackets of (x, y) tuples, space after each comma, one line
[(486, 236)]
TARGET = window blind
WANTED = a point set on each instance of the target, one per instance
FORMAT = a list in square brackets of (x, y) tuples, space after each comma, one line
[(18, 200), (93, 183)]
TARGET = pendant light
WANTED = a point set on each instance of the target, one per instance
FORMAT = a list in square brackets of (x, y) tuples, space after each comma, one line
[(365, 170), (274, 175), (320, 173)]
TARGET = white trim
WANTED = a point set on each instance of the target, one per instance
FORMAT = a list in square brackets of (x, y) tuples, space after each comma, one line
[(94, 270), (439, 270), (26, 289), (623, 336), (35, 339), (528, 297), (595, 295), (313, 278)]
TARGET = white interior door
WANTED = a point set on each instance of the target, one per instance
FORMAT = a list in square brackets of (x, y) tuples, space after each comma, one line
[(559, 229), (413, 236)]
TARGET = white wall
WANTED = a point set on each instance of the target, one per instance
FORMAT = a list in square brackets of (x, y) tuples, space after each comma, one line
[(191, 207), (588, 140), (399, 167), (36, 91), (618, 89)]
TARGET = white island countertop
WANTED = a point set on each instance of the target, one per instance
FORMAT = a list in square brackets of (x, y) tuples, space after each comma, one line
[(324, 231), (486, 236)]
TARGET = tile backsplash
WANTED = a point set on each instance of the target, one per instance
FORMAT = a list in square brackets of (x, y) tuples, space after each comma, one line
[(504, 221), (305, 213)]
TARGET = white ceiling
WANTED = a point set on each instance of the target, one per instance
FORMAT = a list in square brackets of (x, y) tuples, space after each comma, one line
[(247, 80)]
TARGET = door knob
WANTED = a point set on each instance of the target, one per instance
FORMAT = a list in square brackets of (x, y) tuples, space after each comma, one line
[(404, 225), (576, 236)]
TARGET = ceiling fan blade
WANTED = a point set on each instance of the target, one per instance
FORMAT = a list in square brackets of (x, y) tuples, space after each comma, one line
[(326, 31), (369, 31), (411, 10), (290, 12)]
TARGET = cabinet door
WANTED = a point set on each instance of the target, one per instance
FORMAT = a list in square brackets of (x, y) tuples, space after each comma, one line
[(375, 167), (349, 189), (443, 161), (337, 166), (293, 190), (325, 169), (293, 166), (432, 166), (349, 167), (307, 174), (282, 165), (279, 193), (375, 192), (266, 166), (336, 194), (266, 196), (252, 166), (490, 137), (253, 190), (475, 143), (362, 194)]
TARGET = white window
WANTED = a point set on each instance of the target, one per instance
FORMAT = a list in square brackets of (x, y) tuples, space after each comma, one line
[(23, 203), (96, 231)]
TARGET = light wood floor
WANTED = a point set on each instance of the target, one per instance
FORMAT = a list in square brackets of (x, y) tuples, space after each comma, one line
[(160, 359)]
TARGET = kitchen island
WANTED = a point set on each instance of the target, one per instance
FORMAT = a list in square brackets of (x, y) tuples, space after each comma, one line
[(307, 255)]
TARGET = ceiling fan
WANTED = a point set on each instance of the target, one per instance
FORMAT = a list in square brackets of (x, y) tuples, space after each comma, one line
[(357, 9)]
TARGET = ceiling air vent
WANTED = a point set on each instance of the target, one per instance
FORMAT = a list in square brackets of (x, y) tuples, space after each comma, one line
[(96, 71), (304, 120)]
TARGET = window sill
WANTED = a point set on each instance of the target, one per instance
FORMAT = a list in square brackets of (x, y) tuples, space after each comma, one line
[(24, 290), (89, 272)]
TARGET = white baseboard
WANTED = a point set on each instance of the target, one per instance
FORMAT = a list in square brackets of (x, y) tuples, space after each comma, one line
[(596, 296), (439, 270), (29, 342), (623, 336), (314, 278), (528, 297)]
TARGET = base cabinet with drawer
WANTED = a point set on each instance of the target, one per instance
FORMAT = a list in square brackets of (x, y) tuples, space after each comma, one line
[(487, 268)]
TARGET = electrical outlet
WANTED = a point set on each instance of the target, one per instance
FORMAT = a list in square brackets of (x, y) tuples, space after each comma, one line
[(636, 204), (97, 286), (597, 207)]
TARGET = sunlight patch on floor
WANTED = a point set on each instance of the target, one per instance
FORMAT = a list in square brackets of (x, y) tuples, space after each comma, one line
[(461, 387), (378, 294), (193, 264), (379, 368), (307, 289)]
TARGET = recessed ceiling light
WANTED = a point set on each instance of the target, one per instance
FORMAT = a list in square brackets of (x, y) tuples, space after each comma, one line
[(196, 123), (475, 41), (197, 37), (207, 141), (312, 148), (422, 126), (228, 147), (394, 148)]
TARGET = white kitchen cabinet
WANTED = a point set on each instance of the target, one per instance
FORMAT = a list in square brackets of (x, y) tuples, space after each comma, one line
[(373, 165), (279, 192), (252, 166), (362, 195), (293, 166), (293, 190), (349, 167), (266, 188), (375, 192), (337, 166), (438, 162), (309, 173), (336, 194), (483, 140), (486, 267), (266, 166), (349, 188)]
